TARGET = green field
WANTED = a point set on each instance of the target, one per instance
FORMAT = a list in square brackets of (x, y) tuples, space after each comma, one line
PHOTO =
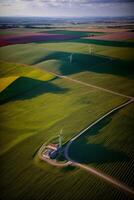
[(69, 32), (95, 69), (37, 90), (35, 105)]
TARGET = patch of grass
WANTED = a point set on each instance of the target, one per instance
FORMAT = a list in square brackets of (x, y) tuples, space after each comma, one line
[(68, 32), (118, 52), (106, 42), (95, 69), (20, 88), (8, 69), (24, 178)]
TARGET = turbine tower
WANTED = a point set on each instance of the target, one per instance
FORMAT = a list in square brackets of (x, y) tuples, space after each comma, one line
[(60, 138), (90, 49), (71, 58)]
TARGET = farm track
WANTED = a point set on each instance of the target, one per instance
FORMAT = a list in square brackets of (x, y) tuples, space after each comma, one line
[(116, 183), (91, 85)]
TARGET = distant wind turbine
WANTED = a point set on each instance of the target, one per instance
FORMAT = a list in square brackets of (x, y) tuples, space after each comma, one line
[(71, 58), (60, 138), (90, 49)]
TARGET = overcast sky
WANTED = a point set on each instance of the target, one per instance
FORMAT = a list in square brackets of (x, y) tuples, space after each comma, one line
[(68, 8)]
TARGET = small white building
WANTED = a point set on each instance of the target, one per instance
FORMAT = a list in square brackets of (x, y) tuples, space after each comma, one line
[(50, 151)]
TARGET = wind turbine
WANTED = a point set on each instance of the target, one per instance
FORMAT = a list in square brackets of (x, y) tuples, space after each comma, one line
[(90, 49), (71, 58), (60, 138)]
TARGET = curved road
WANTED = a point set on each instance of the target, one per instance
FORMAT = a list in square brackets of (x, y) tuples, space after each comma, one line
[(116, 183)]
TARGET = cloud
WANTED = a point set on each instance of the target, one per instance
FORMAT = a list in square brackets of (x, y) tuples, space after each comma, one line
[(63, 2), (67, 4), (66, 7), (84, 1), (78, 1)]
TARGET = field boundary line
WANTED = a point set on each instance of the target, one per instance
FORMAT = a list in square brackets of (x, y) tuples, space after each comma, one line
[(91, 85)]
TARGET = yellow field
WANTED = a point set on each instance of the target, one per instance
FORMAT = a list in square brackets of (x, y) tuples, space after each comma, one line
[(6, 81)]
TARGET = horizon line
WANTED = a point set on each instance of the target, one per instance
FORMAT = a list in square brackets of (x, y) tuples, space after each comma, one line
[(67, 16)]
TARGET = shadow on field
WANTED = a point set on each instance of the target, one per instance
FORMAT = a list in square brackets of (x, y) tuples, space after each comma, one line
[(68, 169), (93, 41), (106, 42), (70, 32), (27, 88), (84, 62), (83, 151)]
